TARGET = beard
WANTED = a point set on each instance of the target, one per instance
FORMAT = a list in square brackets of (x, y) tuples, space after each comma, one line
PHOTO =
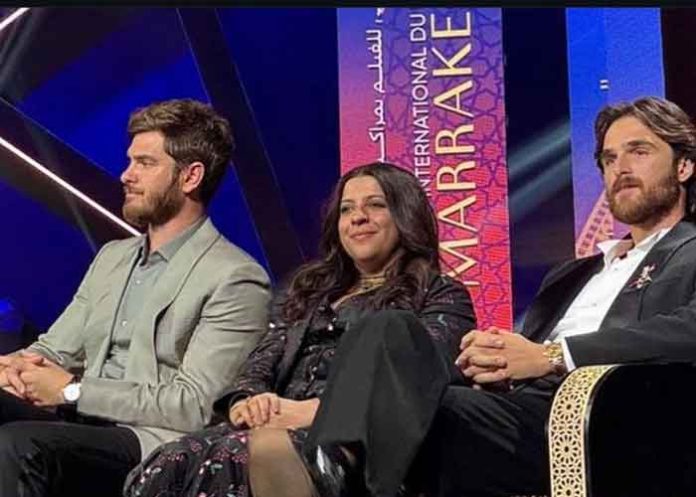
[(154, 208), (650, 205)]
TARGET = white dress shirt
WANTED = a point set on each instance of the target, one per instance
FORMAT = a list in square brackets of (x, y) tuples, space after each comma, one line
[(587, 311)]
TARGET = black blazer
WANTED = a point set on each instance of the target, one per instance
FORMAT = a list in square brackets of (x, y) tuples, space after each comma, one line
[(447, 314), (650, 322)]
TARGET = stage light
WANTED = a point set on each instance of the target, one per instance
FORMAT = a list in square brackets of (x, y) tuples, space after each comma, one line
[(13, 17), (67, 186)]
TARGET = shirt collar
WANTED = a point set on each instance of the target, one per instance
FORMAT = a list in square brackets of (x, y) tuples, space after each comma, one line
[(170, 248), (615, 248)]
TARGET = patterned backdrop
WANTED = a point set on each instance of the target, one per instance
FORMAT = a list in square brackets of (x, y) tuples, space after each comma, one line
[(423, 88)]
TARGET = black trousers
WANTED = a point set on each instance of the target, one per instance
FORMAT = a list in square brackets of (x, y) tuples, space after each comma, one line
[(486, 444), (392, 398), (43, 454)]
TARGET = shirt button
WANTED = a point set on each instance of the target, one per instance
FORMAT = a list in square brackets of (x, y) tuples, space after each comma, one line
[(124, 322), (137, 282)]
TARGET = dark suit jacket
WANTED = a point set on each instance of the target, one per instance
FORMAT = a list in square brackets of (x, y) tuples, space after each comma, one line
[(652, 322)]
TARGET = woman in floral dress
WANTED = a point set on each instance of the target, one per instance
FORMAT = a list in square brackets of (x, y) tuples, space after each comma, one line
[(378, 251)]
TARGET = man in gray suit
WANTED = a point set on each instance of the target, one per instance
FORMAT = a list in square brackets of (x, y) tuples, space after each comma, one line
[(154, 334)]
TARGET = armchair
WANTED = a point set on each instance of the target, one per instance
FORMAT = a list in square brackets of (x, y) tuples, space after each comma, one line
[(624, 430)]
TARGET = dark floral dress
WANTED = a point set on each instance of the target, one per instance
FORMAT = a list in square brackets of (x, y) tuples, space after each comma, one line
[(294, 362)]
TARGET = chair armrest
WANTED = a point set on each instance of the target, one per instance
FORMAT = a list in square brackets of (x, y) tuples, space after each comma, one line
[(566, 430), (624, 430)]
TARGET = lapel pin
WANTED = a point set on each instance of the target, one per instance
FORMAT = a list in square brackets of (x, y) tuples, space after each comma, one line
[(644, 278)]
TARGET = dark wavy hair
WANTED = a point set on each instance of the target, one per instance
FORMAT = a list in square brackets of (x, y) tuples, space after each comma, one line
[(664, 118), (334, 273)]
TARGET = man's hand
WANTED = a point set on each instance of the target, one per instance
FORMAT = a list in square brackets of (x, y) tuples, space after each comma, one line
[(44, 383), (254, 411), (481, 351), (10, 368), (494, 356)]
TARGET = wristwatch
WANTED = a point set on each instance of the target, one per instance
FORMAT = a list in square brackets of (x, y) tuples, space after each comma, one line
[(71, 391), (554, 353)]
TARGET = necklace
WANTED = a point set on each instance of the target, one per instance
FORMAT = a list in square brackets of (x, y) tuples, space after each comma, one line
[(366, 283)]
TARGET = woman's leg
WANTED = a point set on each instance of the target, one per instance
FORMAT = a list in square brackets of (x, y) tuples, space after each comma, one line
[(383, 391), (275, 467)]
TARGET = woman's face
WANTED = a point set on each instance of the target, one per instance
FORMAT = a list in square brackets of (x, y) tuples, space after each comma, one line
[(365, 225)]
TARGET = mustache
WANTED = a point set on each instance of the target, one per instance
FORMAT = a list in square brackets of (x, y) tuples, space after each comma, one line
[(127, 189), (626, 182)]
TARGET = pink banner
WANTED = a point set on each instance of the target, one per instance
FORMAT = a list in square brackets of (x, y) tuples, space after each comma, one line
[(423, 88)]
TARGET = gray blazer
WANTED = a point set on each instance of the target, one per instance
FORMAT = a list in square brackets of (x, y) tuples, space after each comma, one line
[(193, 333)]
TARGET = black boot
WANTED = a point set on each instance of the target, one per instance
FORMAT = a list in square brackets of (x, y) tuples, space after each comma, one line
[(333, 474)]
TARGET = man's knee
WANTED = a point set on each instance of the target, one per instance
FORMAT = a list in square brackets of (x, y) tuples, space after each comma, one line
[(457, 396), (14, 441), (24, 466), (463, 407), (455, 403)]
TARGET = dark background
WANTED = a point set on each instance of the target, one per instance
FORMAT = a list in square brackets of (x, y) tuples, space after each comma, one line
[(69, 77)]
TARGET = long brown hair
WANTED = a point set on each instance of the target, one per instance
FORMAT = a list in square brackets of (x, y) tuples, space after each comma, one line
[(334, 272)]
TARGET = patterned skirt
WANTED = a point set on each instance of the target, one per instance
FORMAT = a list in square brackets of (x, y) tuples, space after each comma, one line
[(210, 463)]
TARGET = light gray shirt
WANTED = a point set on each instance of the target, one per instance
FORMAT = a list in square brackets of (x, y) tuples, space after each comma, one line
[(141, 283)]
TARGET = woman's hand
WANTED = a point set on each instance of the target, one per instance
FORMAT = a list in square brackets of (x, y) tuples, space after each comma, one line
[(267, 409), (294, 414), (254, 412)]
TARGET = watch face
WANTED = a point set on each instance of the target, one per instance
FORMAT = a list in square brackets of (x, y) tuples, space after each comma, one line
[(72, 392)]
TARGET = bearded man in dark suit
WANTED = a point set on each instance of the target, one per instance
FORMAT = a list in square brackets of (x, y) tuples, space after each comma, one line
[(635, 302)]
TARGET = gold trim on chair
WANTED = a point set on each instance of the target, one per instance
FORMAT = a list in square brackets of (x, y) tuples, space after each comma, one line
[(566, 431)]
